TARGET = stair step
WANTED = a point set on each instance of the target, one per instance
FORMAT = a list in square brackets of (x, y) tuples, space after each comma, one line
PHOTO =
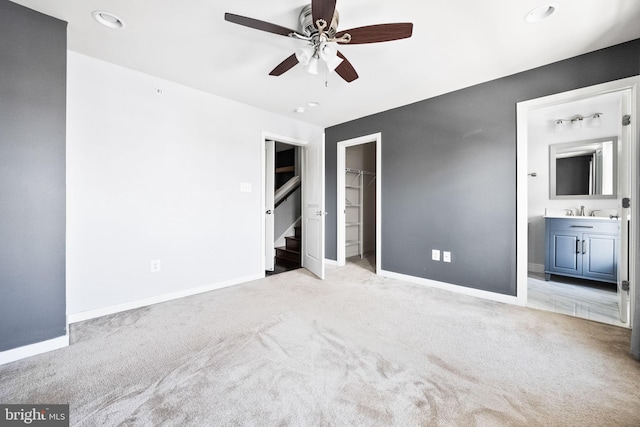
[(298, 231), (284, 253), (292, 243), (288, 264)]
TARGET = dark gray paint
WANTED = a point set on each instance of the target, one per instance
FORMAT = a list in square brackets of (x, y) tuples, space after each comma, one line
[(32, 176), (449, 171)]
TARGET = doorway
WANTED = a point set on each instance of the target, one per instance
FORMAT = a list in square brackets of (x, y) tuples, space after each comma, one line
[(543, 125), (283, 210), (309, 168), (358, 206)]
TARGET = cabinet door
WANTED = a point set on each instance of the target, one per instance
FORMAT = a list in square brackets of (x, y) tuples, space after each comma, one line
[(599, 259), (565, 253)]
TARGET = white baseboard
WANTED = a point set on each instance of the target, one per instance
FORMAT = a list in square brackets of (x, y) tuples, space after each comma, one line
[(104, 311), (535, 268), (493, 296), (14, 354)]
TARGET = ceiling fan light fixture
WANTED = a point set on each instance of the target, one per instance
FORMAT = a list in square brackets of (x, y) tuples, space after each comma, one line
[(329, 54), (313, 65), (305, 54), (107, 19), (540, 13)]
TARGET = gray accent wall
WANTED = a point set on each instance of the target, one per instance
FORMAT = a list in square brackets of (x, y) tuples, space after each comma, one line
[(449, 171), (33, 58)]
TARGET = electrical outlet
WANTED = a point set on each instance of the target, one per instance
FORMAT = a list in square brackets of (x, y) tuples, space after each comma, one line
[(446, 256), (155, 265), (435, 254)]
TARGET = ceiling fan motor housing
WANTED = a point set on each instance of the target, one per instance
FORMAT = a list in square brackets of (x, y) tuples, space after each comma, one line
[(308, 27)]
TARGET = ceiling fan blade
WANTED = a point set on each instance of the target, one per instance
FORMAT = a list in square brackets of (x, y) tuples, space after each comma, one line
[(378, 33), (346, 70), (257, 24), (285, 66), (323, 9)]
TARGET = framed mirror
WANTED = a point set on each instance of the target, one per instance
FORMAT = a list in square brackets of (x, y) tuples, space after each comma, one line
[(584, 169)]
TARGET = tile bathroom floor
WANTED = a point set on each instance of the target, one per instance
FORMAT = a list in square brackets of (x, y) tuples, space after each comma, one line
[(597, 301)]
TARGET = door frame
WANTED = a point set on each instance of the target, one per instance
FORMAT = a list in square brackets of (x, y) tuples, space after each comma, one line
[(263, 170), (630, 84), (341, 165)]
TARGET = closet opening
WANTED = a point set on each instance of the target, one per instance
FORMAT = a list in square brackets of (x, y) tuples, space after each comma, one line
[(358, 202)]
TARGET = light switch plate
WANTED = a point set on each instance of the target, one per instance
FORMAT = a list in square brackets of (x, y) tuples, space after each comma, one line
[(435, 254), (245, 187), (446, 256)]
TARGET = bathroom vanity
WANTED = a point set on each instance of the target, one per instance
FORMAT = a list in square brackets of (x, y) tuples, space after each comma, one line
[(582, 247)]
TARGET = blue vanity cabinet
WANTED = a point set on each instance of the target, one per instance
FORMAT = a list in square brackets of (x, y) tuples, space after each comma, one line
[(583, 248)]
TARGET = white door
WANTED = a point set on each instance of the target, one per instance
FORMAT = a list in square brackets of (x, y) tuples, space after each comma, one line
[(313, 208), (624, 186), (269, 191)]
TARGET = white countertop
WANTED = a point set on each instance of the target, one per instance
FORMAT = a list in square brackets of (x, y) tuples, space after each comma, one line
[(590, 218)]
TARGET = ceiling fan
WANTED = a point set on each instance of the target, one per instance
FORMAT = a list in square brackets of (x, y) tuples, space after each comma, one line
[(319, 22)]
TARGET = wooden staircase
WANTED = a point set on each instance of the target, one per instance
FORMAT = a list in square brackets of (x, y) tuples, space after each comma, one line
[(288, 257)]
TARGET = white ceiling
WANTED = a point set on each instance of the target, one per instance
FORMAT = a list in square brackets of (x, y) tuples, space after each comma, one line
[(455, 44)]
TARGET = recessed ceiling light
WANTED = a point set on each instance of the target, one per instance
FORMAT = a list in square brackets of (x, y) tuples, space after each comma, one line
[(299, 110), (313, 104), (108, 19), (540, 13)]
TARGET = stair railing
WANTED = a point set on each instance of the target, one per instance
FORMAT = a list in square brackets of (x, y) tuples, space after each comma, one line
[(286, 190)]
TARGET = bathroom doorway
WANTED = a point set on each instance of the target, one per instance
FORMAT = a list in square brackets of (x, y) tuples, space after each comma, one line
[(549, 123)]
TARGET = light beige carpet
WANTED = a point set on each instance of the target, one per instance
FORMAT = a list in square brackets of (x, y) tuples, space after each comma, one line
[(355, 349)]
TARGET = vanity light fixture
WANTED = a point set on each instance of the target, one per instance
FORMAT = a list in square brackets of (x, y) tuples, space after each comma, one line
[(578, 120), (108, 19)]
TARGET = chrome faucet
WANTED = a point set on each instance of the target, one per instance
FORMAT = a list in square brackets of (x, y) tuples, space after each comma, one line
[(569, 212), (593, 212), (581, 210)]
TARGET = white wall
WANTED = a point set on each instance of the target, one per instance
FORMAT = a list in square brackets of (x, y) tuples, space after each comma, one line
[(157, 176), (542, 133)]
